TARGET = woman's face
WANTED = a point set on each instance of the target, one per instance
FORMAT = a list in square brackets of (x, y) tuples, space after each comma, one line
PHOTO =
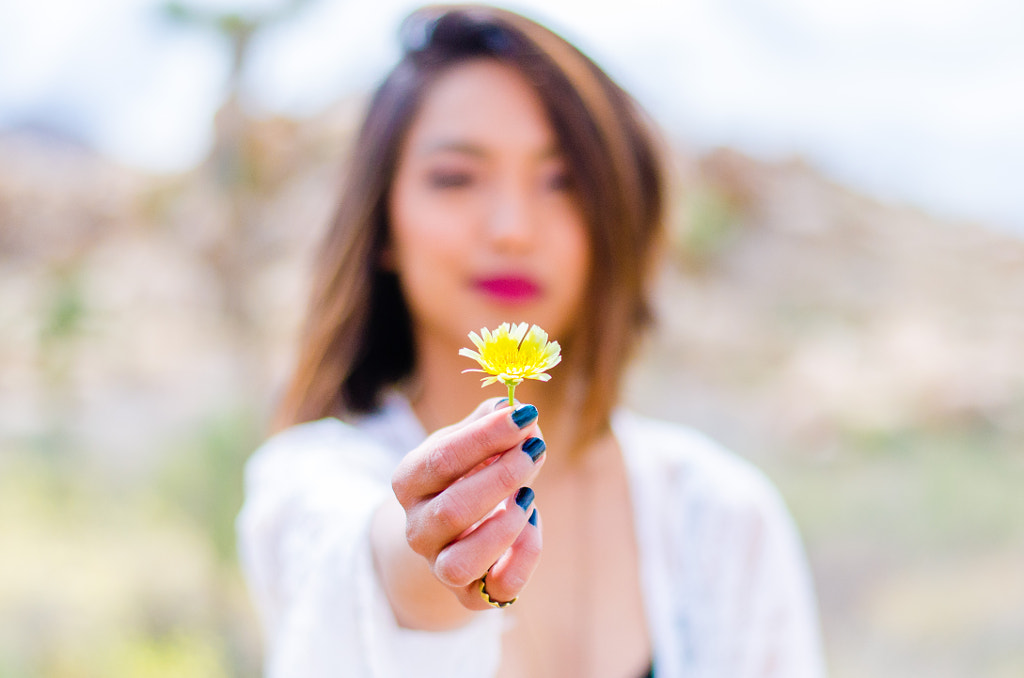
[(485, 227)]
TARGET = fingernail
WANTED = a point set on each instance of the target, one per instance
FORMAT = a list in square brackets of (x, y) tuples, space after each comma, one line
[(524, 415), (524, 497), (533, 518), (534, 447)]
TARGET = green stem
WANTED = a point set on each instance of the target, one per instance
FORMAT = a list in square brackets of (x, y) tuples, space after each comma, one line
[(511, 391)]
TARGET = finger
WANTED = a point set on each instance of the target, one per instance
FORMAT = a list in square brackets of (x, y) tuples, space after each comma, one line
[(463, 561), (447, 456), (510, 574), (444, 518), (498, 404), (485, 407), (534, 446), (487, 486)]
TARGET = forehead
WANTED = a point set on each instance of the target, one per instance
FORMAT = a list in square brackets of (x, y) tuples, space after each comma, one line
[(484, 103)]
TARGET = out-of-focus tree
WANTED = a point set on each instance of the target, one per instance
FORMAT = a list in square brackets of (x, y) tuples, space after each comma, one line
[(241, 172)]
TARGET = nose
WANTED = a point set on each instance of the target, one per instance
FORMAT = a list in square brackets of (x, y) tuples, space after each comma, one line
[(512, 218)]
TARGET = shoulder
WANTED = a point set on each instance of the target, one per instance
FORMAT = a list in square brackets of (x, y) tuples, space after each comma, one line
[(312, 434), (317, 448), (712, 501), (684, 465), (328, 436)]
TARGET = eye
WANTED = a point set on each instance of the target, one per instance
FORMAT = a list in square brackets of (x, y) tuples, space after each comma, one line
[(449, 179)]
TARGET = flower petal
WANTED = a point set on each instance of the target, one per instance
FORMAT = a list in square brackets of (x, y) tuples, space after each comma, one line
[(513, 352), (469, 353), (519, 331)]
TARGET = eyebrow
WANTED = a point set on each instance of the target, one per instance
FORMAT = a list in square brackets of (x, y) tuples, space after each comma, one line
[(469, 148), (453, 146)]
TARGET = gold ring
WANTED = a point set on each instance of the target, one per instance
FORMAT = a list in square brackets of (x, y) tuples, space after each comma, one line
[(486, 596)]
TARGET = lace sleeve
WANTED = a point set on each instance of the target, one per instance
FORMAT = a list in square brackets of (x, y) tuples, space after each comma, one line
[(768, 621), (726, 581), (304, 548)]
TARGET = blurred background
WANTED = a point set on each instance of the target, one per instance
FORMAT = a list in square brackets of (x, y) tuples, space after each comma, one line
[(842, 302)]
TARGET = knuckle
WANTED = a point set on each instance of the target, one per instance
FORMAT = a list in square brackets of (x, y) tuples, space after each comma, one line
[(417, 538), (450, 514), (530, 550), (507, 476), (483, 436), (452, 570), (440, 461), (400, 488)]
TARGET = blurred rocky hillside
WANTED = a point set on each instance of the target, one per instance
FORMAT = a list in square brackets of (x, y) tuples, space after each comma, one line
[(132, 305), (797, 312)]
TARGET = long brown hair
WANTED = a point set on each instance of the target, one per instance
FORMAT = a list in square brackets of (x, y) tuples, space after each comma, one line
[(358, 337)]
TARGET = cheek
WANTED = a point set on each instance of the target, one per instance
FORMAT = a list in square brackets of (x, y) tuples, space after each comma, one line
[(422, 256), (571, 259), (423, 252), (421, 270), (576, 258), (570, 239), (412, 230)]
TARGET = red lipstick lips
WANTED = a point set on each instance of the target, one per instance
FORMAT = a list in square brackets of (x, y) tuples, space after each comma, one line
[(509, 289)]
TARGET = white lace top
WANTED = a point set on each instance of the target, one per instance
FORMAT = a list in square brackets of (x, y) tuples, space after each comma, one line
[(726, 587)]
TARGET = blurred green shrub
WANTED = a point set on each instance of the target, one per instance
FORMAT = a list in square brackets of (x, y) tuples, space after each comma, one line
[(175, 656), (203, 476), (708, 221)]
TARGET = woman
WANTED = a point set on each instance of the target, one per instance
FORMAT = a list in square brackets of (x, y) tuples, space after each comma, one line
[(501, 176)]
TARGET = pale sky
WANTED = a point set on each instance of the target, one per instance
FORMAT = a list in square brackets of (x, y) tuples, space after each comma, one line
[(916, 101)]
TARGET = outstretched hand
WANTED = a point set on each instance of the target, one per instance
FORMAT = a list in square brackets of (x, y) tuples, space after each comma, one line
[(468, 507)]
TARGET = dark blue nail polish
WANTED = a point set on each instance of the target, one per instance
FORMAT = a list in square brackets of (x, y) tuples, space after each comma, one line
[(534, 447), (524, 497), (533, 518), (524, 416)]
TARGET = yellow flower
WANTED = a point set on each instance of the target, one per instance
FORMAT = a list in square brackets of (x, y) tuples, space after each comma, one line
[(512, 353)]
